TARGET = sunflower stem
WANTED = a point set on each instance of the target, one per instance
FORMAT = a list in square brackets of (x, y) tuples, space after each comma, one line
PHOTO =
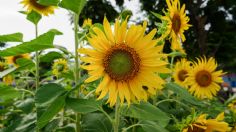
[(117, 117), (77, 73)]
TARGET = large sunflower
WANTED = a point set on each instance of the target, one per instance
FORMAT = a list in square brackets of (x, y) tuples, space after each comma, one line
[(203, 78), (41, 9), (13, 59), (201, 124), (177, 20), (127, 61), (182, 68), (59, 67)]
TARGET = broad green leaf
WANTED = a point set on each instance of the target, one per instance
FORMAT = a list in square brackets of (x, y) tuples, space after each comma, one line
[(51, 126), (48, 2), (6, 72), (51, 111), (44, 41), (34, 17), (26, 105), (47, 94), (183, 93), (73, 5), (145, 111), (96, 122), (151, 126), (8, 92), (83, 105), (49, 57), (15, 37)]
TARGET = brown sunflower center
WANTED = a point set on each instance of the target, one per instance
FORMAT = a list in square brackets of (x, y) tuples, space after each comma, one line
[(121, 62), (203, 78), (14, 59), (176, 23), (37, 5), (195, 129), (182, 75)]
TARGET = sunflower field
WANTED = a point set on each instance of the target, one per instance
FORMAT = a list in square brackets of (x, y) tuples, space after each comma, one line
[(122, 77)]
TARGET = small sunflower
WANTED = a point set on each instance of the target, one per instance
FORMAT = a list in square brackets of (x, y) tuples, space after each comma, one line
[(182, 68), (126, 60), (87, 22), (41, 9), (13, 59), (177, 47), (203, 78), (8, 79), (177, 20), (201, 124), (232, 106), (59, 67)]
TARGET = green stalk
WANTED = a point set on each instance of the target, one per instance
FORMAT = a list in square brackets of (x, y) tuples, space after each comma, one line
[(117, 117), (77, 73), (36, 60)]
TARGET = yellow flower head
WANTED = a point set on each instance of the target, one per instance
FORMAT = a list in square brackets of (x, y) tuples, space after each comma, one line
[(87, 22), (177, 20), (59, 67), (13, 59), (126, 60), (8, 79), (232, 106), (41, 9), (201, 124), (204, 78), (177, 46), (182, 68)]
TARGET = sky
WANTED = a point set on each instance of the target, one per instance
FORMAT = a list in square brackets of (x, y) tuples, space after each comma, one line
[(11, 21)]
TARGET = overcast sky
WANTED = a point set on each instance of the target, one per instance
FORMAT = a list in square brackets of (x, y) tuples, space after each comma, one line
[(11, 21)]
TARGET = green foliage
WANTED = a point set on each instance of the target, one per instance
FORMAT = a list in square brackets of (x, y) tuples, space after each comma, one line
[(42, 42), (73, 5), (34, 17), (49, 2), (8, 92), (83, 105), (15, 37), (49, 57)]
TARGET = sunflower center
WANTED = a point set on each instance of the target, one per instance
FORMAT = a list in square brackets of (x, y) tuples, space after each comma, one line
[(203, 78), (16, 57), (60, 67), (195, 129), (176, 23), (121, 62), (37, 5), (182, 75)]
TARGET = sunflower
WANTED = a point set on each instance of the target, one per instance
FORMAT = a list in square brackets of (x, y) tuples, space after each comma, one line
[(204, 78), (232, 106), (201, 124), (87, 22), (177, 20), (182, 68), (13, 59), (8, 79), (127, 61), (177, 47), (41, 9), (59, 67)]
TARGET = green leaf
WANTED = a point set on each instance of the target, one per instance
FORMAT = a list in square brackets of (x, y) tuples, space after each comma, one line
[(183, 93), (51, 111), (48, 2), (47, 94), (26, 105), (34, 17), (73, 5), (49, 57), (145, 111), (151, 126), (83, 105), (6, 72), (96, 122), (15, 37), (44, 41), (156, 15), (8, 92)]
